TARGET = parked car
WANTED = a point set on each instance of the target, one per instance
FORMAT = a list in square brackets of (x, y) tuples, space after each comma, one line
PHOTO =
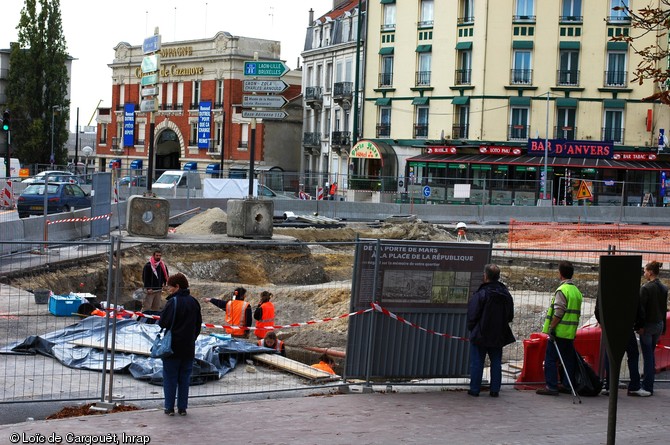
[(133, 181), (61, 197), (54, 176), (265, 192)]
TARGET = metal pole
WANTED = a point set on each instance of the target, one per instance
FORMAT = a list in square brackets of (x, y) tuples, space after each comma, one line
[(8, 166), (354, 136), (51, 159), (252, 155), (546, 151), (223, 140), (76, 144)]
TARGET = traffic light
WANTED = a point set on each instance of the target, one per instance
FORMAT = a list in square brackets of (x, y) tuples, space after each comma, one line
[(5, 121)]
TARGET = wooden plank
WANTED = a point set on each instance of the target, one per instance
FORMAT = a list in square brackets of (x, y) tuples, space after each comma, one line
[(293, 366), (275, 360), (120, 347)]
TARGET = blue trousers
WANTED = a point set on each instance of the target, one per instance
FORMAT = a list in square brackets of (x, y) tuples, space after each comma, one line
[(477, 357), (633, 356), (648, 341), (551, 361), (176, 379)]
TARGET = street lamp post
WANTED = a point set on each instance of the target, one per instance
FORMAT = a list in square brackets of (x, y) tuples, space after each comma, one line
[(546, 150), (52, 159)]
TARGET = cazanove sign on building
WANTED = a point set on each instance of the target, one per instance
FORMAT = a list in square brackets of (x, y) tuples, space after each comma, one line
[(571, 149)]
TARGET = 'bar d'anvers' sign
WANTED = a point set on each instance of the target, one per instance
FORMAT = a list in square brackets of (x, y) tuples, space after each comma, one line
[(571, 149)]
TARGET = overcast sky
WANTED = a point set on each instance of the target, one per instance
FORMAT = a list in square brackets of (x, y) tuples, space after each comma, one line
[(93, 28)]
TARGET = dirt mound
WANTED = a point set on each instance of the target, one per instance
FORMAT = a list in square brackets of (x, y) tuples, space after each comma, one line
[(211, 221)]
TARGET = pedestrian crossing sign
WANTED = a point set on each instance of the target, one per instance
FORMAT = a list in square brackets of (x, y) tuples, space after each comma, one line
[(584, 191)]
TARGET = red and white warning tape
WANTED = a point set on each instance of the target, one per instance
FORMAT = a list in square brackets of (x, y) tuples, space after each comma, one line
[(378, 308), (82, 219), (269, 328)]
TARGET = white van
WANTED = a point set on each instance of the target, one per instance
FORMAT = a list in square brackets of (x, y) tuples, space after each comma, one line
[(14, 167), (180, 179)]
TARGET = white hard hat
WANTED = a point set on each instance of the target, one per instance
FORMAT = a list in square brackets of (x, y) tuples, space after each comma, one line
[(461, 225)]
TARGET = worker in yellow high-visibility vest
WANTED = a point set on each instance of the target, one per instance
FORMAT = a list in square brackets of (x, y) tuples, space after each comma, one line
[(561, 324)]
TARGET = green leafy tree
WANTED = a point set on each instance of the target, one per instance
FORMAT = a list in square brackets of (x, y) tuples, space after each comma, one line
[(654, 64), (38, 82)]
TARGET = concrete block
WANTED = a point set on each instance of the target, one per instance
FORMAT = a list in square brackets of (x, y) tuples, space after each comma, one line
[(250, 218), (148, 216)]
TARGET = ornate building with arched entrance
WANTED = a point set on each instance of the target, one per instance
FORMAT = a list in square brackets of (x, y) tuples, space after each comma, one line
[(199, 80)]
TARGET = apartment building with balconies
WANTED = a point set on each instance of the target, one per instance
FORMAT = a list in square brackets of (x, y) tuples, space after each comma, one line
[(496, 93), (329, 91)]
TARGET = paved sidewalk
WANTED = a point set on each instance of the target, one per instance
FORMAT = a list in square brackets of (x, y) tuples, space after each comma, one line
[(436, 417)]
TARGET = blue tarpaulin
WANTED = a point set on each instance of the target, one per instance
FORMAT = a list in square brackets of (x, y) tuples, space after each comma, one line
[(214, 357)]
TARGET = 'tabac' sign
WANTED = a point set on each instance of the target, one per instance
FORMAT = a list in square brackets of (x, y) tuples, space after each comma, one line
[(571, 149)]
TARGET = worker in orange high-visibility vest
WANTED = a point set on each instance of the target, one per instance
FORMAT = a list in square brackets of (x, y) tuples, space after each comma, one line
[(238, 313), (264, 314), (325, 364), (271, 341)]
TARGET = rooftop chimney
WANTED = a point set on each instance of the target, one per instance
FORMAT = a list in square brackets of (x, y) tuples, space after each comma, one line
[(311, 17)]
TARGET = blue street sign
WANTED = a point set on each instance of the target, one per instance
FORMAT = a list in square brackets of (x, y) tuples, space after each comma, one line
[(265, 68), (426, 191), (151, 44)]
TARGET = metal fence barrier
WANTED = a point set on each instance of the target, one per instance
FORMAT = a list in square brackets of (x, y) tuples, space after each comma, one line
[(311, 287)]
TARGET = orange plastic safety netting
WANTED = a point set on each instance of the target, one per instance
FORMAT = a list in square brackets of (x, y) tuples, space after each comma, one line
[(589, 241)]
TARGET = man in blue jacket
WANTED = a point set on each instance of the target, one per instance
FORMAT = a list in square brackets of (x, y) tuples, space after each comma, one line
[(490, 311)]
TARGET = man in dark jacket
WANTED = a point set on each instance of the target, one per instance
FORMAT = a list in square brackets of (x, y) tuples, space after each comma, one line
[(490, 311)]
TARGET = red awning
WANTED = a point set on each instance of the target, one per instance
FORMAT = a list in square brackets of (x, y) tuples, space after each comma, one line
[(539, 161)]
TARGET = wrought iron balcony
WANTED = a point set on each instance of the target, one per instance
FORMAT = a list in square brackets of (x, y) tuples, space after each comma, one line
[(565, 132), (612, 134), (616, 79), (521, 77), (422, 78), (383, 130), (567, 77), (343, 90), (463, 77), (518, 132), (460, 131), (311, 139), (385, 79), (314, 97), (572, 19), (340, 138), (421, 130)]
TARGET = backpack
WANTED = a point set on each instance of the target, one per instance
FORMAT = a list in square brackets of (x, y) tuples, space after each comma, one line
[(586, 382)]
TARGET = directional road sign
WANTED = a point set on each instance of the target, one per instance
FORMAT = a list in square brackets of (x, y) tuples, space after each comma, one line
[(426, 191), (151, 44), (264, 114), (149, 105), (265, 68), (264, 101), (265, 86), (149, 91), (149, 79), (151, 63)]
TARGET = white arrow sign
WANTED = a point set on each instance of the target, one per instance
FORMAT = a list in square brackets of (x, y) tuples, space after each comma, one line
[(264, 101), (149, 91), (264, 114), (265, 86)]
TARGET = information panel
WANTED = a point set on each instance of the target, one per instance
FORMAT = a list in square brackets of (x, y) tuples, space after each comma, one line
[(420, 273)]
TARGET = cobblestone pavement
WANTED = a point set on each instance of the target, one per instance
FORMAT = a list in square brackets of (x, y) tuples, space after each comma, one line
[(433, 417)]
